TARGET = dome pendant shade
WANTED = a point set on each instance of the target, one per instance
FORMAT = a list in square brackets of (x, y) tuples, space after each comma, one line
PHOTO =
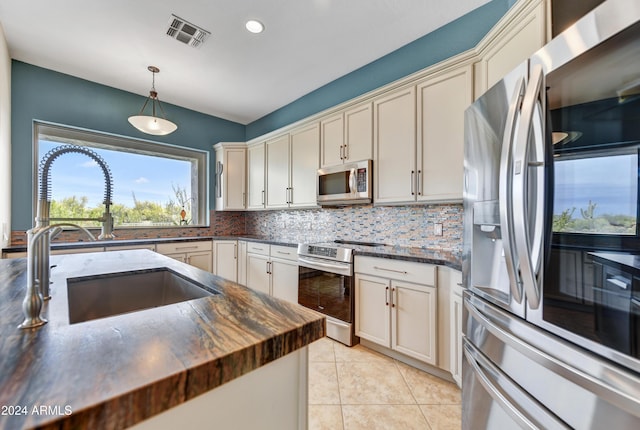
[(152, 124)]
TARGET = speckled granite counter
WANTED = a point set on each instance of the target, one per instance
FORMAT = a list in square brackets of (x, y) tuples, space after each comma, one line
[(115, 372), (420, 255)]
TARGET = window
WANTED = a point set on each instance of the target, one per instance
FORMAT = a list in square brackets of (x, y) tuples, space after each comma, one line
[(596, 193), (153, 183)]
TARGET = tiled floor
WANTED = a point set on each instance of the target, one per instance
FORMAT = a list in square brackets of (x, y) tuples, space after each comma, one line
[(357, 388)]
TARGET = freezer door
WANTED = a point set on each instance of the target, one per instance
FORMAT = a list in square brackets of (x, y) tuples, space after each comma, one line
[(491, 400), (580, 389)]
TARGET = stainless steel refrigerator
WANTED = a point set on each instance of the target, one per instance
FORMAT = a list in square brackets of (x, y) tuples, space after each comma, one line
[(551, 261)]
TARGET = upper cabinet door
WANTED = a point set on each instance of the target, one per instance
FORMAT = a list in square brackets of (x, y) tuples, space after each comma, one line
[(277, 153), (332, 140), (255, 174), (358, 133), (442, 101), (305, 156), (394, 168), (511, 46)]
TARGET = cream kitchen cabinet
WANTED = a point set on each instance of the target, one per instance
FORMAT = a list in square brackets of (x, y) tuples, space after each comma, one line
[(225, 259), (242, 263), (455, 316), (273, 269), (231, 174), (277, 175), (195, 253), (509, 44), (347, 136), (419, 139), (442, 100), (256, 176), (292, 164), (394, 137), (396, 305)]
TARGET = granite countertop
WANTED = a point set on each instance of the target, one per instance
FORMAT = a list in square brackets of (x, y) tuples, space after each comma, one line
[(115, 372), (420, 255), (624, 261)]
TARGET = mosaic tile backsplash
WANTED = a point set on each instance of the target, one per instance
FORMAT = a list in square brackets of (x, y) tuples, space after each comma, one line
[(394, 225)]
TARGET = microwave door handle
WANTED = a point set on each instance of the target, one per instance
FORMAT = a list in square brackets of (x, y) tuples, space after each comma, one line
[(352, 181), (522, 175), (505, 195)]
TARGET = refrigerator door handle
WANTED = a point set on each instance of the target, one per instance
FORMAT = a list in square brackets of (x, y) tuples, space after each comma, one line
[(532, 416), (506, 193), (529, 248)]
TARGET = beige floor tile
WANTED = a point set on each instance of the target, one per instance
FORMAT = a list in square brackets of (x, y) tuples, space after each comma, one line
[(323, 384), (428, 389), (383, 417), (443, 417), (322, 350), (325, 417), (358, 353), (372, 382)]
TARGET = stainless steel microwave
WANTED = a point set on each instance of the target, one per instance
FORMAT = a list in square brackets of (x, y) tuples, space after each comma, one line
[(345, 184)]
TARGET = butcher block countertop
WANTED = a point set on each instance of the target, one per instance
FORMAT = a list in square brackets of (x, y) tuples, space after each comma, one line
[(117, 371)]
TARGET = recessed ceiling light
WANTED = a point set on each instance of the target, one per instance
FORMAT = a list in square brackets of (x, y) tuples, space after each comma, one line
[(254, 26)]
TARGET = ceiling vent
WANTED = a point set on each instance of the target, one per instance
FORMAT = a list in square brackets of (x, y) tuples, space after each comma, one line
[(186, 32)]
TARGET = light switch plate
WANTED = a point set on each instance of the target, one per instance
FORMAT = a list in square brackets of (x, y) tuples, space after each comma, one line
[(437, 229)]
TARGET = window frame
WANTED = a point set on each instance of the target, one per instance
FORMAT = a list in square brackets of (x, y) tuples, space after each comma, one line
[(104, 140)]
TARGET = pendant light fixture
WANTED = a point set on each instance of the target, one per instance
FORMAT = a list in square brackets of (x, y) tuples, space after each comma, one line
[(152, 124)]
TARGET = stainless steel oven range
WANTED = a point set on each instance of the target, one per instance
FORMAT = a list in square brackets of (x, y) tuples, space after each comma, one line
[(326, 285)]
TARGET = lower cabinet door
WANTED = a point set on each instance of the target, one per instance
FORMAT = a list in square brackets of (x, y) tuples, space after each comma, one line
[(413, 320), (201, 260), (284, 280), (373, 297), (258, 272)]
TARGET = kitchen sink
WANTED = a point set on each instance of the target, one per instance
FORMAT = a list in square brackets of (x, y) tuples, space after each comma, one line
[(101, 296)]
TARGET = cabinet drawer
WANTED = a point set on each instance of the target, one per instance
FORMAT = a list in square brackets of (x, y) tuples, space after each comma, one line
[(257, 248), (410, 271), (285, 252), (182, 247)]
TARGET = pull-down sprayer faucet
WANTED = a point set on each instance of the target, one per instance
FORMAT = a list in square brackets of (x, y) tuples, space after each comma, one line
[(39, 239)]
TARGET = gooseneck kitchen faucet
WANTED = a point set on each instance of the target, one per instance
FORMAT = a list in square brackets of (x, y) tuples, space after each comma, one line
[(39, 237)]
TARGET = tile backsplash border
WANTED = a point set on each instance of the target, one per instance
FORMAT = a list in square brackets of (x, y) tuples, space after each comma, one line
[(411, 225)]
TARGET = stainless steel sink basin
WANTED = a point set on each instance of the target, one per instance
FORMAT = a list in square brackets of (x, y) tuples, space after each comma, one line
[(101, 296)]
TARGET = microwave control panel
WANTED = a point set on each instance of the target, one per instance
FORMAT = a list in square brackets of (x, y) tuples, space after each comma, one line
[(361, 180)]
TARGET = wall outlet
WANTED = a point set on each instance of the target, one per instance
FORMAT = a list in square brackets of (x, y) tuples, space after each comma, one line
[(437, 229)]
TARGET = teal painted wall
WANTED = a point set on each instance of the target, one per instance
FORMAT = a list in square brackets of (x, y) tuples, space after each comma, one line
[(456, 37), (45, 95)]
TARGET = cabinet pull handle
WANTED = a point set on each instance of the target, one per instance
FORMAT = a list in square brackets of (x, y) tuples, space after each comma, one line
[(413, 183), (268, 267), (346, 152), (262, 197), (235, 252), (419, 182), (390, 270), (393, 298), (244, 199), (341, 153), (386, 296)]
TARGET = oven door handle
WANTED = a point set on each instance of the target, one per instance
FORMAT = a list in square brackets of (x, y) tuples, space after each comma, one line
[(338, 268)]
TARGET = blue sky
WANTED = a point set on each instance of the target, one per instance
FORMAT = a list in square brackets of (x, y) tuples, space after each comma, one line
[(150, 178)]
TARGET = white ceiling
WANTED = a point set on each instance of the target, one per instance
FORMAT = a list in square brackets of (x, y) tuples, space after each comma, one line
[(235, 75)]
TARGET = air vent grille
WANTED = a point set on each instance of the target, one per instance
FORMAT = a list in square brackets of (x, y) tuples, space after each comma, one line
[(185, 32)]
